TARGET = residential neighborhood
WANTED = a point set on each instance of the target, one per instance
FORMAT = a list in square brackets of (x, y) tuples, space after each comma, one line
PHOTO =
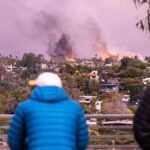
[(89, 81), (100, 89)]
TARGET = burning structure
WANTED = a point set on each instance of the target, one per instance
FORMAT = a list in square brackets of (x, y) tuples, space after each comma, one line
[(63, 50)]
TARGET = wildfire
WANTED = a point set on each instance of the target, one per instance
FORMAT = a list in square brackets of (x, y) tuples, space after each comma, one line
[(110, 52), (106, 54), (103, 50), (118, 53), (70, 57)]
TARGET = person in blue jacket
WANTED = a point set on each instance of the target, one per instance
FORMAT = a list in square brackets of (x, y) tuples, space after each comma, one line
[(49, 119)]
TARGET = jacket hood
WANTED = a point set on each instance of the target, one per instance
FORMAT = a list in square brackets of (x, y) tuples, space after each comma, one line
[(49, 94)]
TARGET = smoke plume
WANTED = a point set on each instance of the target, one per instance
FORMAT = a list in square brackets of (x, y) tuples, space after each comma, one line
[(74, 19), (62, 49), (42, 24)]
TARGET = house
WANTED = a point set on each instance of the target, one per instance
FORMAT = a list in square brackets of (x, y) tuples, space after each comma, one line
[(10, 68), (148, 68), (86, 99), (111, 85), (98, 105), (114, 81), (94, 75), (109, 65), (125, 98), (44, 66), (146, 80), (23, 68), (87, 62)]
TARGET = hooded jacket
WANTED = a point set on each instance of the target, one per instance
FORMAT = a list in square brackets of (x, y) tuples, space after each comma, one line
[(49, 120), (141, 126)]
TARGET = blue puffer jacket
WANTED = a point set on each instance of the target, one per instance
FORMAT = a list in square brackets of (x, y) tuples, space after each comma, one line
[(49, 120)]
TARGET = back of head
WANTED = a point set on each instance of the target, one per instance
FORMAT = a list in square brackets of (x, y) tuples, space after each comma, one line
[(47, 79), (48, 88)]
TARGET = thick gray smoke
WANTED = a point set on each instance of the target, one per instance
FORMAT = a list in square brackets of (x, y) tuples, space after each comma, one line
[(41, 24), (62, 48)]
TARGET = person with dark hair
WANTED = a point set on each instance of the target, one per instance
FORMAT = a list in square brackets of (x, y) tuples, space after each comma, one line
[(49, 119), (141, 122)]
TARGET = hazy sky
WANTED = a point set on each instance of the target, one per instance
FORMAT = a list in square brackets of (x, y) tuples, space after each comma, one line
[(36, 25)]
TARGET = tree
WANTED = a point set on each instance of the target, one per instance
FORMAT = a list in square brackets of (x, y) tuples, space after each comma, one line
[(133, 72), (89, 86), (147, 58), (131, 67), (70, 86), (116, 107), (2, 71), (11, 104), (40, 58), (112, 104), (7, 104), (134, 86), (144, 23), (132, 62), (29, 60), (25, 74), (93, 87), (2, 104), (21, 93), (125, 62), (69, 69), (111, 59)]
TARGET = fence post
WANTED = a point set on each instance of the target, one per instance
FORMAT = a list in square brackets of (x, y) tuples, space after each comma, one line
[(113, 144)]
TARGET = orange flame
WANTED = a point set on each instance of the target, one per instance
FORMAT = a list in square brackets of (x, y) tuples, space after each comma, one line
[(70, 57), (106, 54)]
